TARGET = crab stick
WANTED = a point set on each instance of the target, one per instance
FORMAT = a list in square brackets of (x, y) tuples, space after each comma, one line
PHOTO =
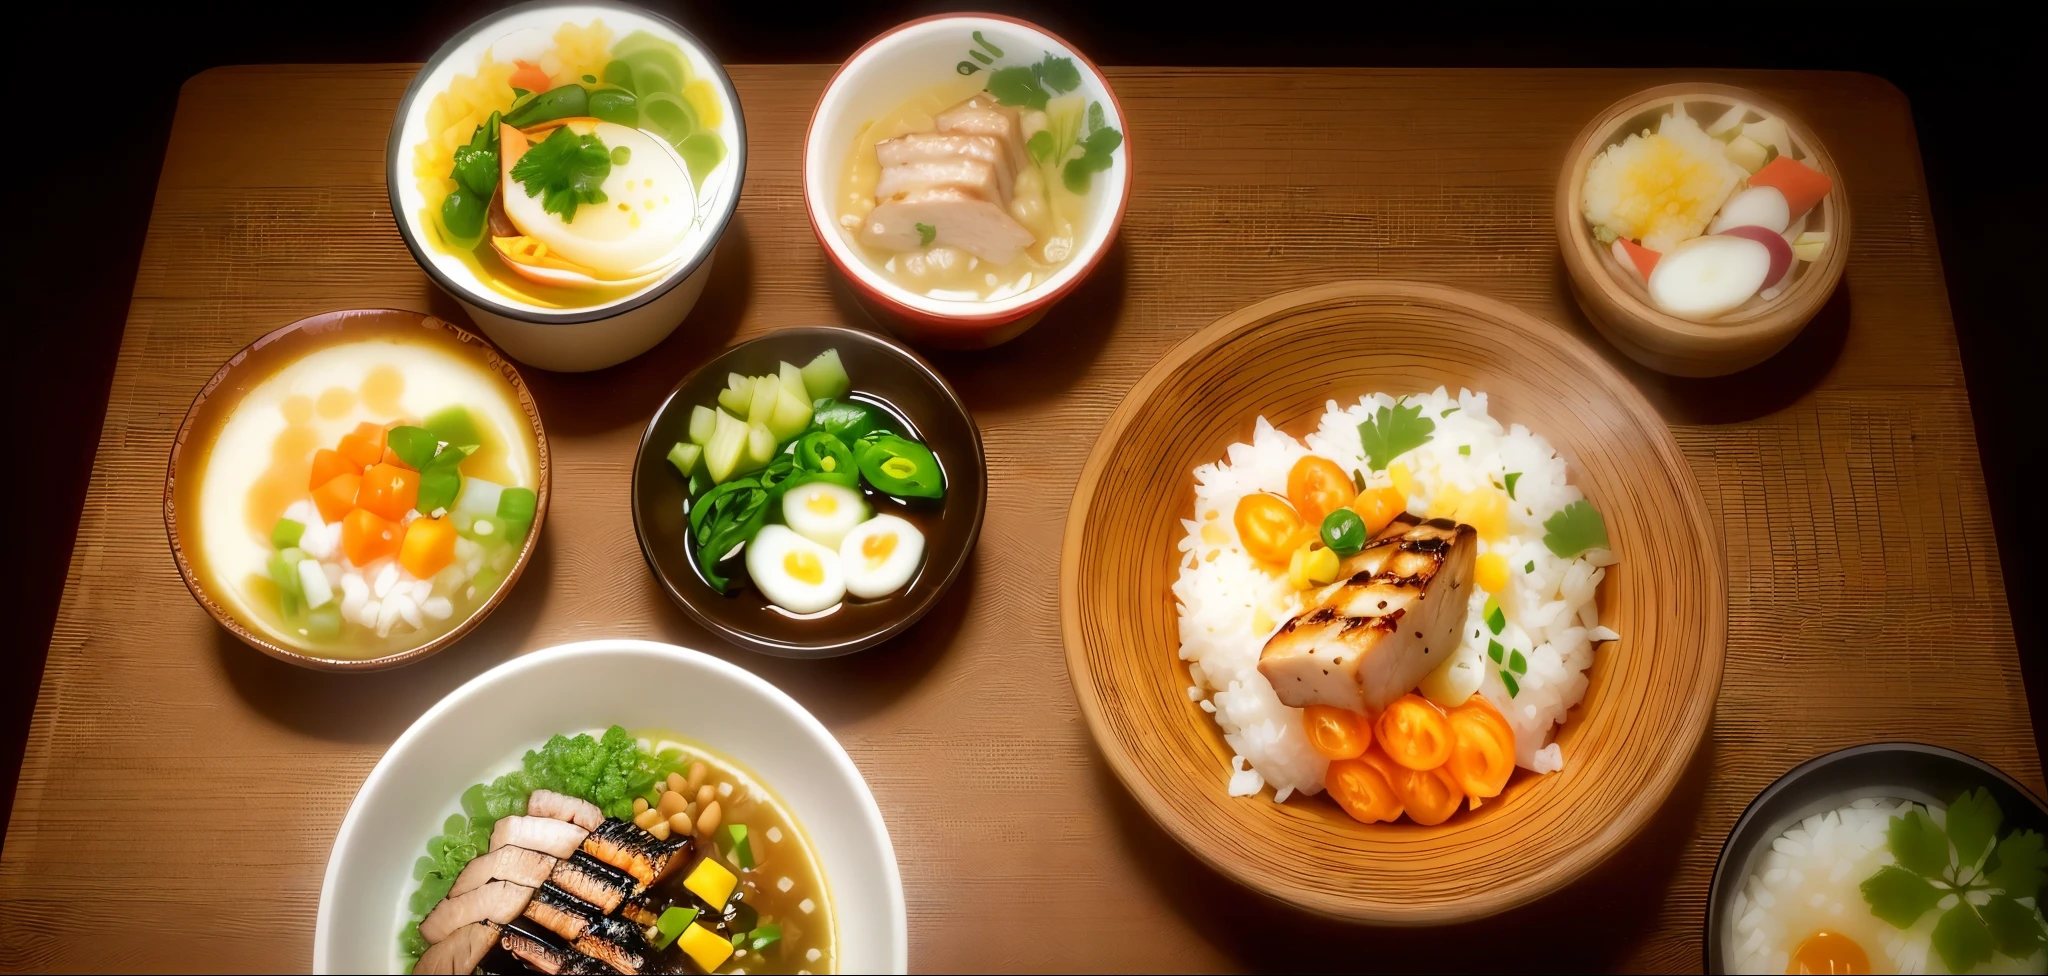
[(1802, 185)]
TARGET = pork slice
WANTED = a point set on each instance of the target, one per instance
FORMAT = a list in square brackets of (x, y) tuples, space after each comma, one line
[(924, 147), (459, 952), (972, 175), (561, 806), (514, 864), (956, 217), (998, 122), (555, 838), (496, 901)]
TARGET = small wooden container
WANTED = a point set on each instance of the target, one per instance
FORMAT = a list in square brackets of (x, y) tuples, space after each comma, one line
[(1614, 297)]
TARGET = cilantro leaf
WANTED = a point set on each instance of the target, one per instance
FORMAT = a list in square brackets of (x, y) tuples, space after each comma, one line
[(565, 170), (1058, 74), (2013, 926), (1096, 121), (1962, 939), (1096, 150), (1899, 896), (1918, 844), (1040, 146), (2018, 871), (926, 234), (1973, 821), (1574, 529), (1392, 432), (1512, 477), (1018, 86)]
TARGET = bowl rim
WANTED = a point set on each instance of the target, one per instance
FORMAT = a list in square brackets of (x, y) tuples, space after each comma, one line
[(873, 637), (1753, 812), (341, 317), (892, 295), (395, 154), (1635, 815), (794, 711), (1786, 314)]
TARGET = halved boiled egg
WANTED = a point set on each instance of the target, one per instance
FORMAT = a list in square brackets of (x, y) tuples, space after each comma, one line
[(823, 512), (649, 204), (793, 572), (880, 555)]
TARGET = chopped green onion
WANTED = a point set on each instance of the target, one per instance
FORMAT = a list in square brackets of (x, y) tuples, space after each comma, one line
[(741, 850), (1512, 477), (1517, 663), (1530, 568), (1493, 650), (516, 508), (764, 936), (1514, 687), (285, 534), (1465, 449), (1495, 619), (671, 924), (1448, 412)]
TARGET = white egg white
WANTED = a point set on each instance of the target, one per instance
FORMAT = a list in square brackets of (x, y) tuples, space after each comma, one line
[(823, 512), (793, 572), (648, 208), (880, 555)]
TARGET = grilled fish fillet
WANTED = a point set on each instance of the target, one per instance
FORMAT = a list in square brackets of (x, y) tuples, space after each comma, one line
[(459, 952), (547, 954), (623, 845), (560, 913), (616, 943), (594, 881), (1371, 637), (497, 901), (561, 806), (555, 838), (515, 864)]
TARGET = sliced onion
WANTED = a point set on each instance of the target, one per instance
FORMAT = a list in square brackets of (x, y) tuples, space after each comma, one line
[(1709, 276)]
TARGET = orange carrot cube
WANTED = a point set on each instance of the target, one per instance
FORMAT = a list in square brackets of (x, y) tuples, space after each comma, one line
[(1802, 185), (327, 464), (366, 538), (429, 547), (364, 446), (389, 491), (337, 495)]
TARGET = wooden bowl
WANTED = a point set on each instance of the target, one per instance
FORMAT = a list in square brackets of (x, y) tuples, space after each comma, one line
[(1625, 745), (215, 403), (1615, 298), (882, 370)]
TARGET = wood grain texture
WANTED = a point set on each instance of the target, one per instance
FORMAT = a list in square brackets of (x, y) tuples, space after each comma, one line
[(1286, 358), (1865, 599), (1618, 303)]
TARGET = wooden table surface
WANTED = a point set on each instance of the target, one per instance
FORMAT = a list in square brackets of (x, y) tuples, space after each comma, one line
[(180, 791)]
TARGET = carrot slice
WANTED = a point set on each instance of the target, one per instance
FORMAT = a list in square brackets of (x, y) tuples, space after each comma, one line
[(530, 77), (364, 445), (1336, 733), (337, 495), (1802, 185), (1379, 506), (1415, 733), (366, 538), (429, 547), (389, 491), (1361, 788), (327, 464), (1642, 257), (1484, 756)]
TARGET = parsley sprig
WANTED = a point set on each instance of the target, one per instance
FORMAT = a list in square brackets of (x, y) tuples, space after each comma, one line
[(1096, 148), (1575, 529), (1394, 431), (1987, 881), (565, 170), (1032, 85)]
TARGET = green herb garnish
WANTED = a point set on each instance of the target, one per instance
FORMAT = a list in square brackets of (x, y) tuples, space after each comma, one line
[(1448, 412), (1494, 650), (1096, 150), (1394, 431), (1465, 450), (926, 234), (1530, 567), (1575, 529), (1517, 663), (565, 170), (1495, 619), (1987, 881), (413, 445), (1032, 85), (1511, 478), (1514, 687)]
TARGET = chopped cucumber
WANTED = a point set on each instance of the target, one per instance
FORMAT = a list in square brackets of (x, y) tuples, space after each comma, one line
[(760, 445), (285, 534), (483, 528), (684, 457), (736, 402), (478, 497), (728, 442), (792, 414), (324, 622), (762, 406), (734, 381), (793, 381), (453, 426), (516, 508), (702, 423), (824, 377)]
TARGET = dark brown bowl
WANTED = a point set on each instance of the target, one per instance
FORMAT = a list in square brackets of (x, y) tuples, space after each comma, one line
[(215, 401), (881, 370)]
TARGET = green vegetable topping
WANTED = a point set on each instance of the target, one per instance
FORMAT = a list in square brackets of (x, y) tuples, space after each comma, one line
[(926, 234), (1529, 567), (413, 445), (900, 467), (1514, 687), (684, 457), (1028, 85), (823, 451), (1494, 650), (1465, 450), (440, 482), (738, 847), (1981, 879), (1517, 663), (1392, 432), (452, 426), (764, 936), (565, 170), (516, 508), (1495, 619), (560, 102), (1096, 150), (1511, 478), (1344, 532), (848, 420), (724, 517), (1575, 529), (671, 924), (285, 534)]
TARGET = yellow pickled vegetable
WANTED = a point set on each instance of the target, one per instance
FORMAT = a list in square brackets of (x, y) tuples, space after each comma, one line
[(1486, 511), (710, 881), (1490, 571), (1311, 565), (1404, 479), (704, 946)]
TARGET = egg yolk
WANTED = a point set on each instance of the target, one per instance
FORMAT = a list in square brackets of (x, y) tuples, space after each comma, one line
[(1828, 954), (822, 503), (804, 567), (876, 548)]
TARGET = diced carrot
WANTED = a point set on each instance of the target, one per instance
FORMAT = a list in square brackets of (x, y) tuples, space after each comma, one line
[(530, 77), (389, 491), (366, 538), (327, 464), (364, 446), (1378, 506), (337, 495), (391, 458), (1642, 257), (1802, 185), (429, 547)]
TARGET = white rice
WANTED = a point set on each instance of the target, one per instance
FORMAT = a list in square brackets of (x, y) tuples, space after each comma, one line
[(1228, 606)]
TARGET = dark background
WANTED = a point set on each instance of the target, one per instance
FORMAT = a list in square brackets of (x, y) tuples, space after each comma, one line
[(94, 105)]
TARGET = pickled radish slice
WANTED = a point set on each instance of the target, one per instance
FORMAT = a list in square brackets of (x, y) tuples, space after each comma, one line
[(1708, 276), (1633, 255), (1781, 251), (1802, 185), (1758, 206)]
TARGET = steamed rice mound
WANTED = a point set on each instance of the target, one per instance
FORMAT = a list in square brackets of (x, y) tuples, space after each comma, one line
[(1228, 605), (1660, 188)]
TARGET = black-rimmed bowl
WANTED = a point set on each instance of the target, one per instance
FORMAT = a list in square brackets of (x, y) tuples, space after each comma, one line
[(1902, 770), (882, 370), (575, 337)]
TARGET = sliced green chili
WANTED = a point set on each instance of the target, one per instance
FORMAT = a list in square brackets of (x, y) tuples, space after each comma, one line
[(901, 467)]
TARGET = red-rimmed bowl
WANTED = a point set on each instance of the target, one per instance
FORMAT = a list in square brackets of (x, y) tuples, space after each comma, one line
[(888, 72)]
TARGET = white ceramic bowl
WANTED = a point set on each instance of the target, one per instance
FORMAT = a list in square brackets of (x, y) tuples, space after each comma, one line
[(566, 339), (481, 729), (881, 76)]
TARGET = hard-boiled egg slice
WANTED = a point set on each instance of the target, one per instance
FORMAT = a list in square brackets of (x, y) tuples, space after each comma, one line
[(648, 208), (793, 572), (880, 555), (823, 512)]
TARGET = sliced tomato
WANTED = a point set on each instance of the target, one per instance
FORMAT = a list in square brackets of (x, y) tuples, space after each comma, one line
[(1317, 487), (1269, 528), (1336, 733)]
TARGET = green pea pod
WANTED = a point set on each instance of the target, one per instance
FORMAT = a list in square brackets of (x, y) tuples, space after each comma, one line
[(561, 102), (464, 215), (615, 105), (824, 451), (901, 467)]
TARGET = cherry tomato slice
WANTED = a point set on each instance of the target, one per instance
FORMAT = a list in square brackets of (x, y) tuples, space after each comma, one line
[(1415, 733), (1317, 487), (1361, 788), (1484, 754), (1268, 527), (1429, 796), (1378, 506), (1336, 733)]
